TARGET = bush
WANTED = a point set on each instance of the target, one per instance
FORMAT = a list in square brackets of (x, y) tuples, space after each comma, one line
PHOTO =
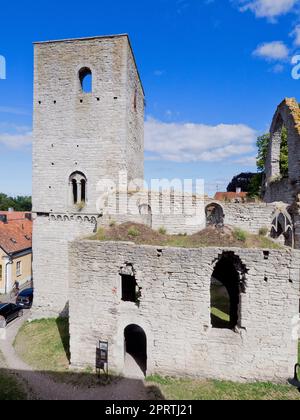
[(263, 231), (162, 231), (133, 232), (240, 235), (112, 223)]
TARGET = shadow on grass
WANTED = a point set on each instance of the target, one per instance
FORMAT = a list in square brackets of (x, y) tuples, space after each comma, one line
[(63, 329), (48, 385)]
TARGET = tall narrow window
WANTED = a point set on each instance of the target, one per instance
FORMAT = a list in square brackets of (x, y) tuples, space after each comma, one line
[(74, 190), (78, 193), (227, 283), (83, 187), (86, 80), (129, 288)]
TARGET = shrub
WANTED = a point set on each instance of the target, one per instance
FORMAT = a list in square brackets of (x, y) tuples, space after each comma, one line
[(263, 231), (162, 231), (133, 232), (112, 223), (240, 235)]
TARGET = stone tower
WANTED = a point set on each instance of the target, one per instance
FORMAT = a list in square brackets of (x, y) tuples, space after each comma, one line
[(82, 134)]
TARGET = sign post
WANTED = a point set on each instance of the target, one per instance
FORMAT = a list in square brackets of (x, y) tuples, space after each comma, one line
[(102, 358)]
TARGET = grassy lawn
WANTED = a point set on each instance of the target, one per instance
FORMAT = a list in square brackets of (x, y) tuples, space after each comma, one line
[(188, 389), (10, 388), (44, 345)]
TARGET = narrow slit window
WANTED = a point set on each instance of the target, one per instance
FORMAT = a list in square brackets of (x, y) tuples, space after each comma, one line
[(86, 80)]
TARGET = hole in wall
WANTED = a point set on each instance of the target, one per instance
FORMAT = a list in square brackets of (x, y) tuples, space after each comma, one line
[(266, 255), (86, 80)]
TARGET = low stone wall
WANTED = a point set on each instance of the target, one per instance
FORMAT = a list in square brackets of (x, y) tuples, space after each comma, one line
[(247, 216), (174, 311)]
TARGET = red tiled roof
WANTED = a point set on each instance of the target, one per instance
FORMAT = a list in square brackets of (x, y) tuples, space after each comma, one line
[(221, 196), (15, 215), (15, 235)]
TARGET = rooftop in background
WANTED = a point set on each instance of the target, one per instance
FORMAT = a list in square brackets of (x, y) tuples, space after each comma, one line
[(231, 196), (15, 231), (16, 215)]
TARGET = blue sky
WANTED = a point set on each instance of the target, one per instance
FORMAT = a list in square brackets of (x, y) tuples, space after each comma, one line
[(213, 72)]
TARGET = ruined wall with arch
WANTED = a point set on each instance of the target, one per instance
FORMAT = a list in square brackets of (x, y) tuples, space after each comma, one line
[(278, 188), (174, 310), (250, 217)]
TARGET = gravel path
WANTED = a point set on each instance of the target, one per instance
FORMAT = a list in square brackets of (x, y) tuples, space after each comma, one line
[(42, 387)]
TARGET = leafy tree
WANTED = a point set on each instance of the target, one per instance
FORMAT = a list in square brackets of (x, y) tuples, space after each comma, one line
[(20, 203), (242, 181), (263, 144)]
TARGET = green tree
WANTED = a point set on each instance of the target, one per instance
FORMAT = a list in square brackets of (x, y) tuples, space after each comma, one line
[(20, 203), (263, 144)]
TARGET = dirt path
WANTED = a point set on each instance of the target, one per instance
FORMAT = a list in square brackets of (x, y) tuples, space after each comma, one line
[(40, 386)]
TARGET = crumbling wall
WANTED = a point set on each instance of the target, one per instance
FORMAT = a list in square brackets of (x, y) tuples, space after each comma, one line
[(250, 217), (174, 310), (277, 188)]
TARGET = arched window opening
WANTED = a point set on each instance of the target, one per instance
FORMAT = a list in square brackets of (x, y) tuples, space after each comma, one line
[(279, 149), (78, 194), (282, 229), (74, 190), (83, 190), (227, 283), (214, 215), (86, 80), (135, 343)]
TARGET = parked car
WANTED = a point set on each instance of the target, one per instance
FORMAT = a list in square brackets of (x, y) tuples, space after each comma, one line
[(25, 298), (9, 312)]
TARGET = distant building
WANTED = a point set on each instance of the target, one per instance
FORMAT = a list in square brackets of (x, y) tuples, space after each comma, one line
[(15, 249), (232, 197)]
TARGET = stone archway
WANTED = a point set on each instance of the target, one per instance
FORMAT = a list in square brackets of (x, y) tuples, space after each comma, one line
[(135, 347), (214, 215), (227, 283)]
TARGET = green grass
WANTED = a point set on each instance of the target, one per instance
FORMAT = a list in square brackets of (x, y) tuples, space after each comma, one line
[(189, 389), (44, 344), (240, 235), (10, 387)]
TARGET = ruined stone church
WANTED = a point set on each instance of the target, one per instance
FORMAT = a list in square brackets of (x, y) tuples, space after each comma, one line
[(83, 135)]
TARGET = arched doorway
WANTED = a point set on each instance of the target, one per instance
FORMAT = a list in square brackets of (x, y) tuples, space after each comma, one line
[(227, 283), (214, 215), (135, 345), (282, 229)]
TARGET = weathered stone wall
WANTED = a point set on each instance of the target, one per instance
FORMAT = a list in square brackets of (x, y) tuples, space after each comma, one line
[(51, 236), (287, 115), (175, 310), (247, 216), (280, 190), (98, 133)]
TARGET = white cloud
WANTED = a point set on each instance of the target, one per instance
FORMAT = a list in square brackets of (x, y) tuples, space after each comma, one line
[(12, 110), (277, 69), (17, 140), (179, 142), (268, 8), (296, 34), (275, 50)]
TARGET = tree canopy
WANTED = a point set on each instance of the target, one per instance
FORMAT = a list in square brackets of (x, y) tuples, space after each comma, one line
[(19, 203)]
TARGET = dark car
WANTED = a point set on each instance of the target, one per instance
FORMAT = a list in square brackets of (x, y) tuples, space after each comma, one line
[(9, 312), (25, 298)]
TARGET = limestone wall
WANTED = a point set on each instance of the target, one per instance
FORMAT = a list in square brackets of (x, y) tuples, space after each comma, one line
[(175, 310), (247, 216), (51, 235)]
